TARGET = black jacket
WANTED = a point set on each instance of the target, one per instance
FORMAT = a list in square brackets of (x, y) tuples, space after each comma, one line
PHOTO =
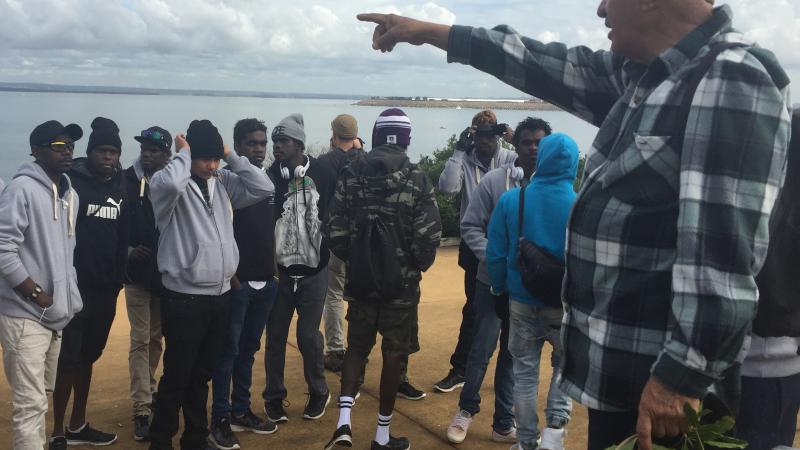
[(254, 230), (143, 229), (102, 228), (297, 252)]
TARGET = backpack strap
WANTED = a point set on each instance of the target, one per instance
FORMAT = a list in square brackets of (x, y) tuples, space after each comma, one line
[(521, 211)]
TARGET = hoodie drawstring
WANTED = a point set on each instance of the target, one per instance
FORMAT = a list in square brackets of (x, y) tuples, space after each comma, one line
[(478, 171), (70, 210)]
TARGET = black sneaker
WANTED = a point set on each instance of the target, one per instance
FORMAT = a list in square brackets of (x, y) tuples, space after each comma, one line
[(57, 443), (450, 383), (222, 436), (251, 422), (315, 408), (275, 412), (407, 391), (342, 437), (394, 443), (333, 361), (89, 436), (141, 427)]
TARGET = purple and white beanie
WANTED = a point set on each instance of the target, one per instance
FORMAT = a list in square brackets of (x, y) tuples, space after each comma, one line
[(392, 127)]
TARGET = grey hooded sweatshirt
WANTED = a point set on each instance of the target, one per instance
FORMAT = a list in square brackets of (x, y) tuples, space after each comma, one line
[(475, 220), (197, 252), (37, 240), (2, 184), (462, 173)]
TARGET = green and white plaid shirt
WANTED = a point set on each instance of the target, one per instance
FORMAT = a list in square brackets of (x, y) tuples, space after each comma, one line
[(670, 227)]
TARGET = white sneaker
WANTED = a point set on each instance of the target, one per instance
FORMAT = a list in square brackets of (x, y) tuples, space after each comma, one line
[(509, 435), (553, 439), (457, 431)]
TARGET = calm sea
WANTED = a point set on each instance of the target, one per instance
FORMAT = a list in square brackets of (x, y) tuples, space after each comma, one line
[(431, 128)]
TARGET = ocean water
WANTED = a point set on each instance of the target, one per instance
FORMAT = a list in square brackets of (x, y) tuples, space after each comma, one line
[(431, 127)]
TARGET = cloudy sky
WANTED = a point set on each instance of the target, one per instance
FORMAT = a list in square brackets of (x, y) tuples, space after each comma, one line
[(309, 46)]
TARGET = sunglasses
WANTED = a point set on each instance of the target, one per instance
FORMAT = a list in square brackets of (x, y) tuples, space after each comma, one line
[(60, 147)]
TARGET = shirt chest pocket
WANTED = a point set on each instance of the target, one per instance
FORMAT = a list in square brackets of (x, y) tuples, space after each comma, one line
[(645, 173)]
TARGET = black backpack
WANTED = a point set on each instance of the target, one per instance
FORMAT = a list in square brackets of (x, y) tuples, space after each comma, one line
[(779, 280), (373, 271)]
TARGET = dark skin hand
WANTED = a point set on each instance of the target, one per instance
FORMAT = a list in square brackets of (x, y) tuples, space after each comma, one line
[(26, 289)]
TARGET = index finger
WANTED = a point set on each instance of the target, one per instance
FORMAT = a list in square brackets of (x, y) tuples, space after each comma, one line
[(378, 18), (644, 428)]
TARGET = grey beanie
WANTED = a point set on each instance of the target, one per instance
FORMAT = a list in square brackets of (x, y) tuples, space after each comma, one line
[(291, 126)]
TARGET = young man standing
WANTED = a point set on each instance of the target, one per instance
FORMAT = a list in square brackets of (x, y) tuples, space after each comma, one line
[(477, 152), (193, 204), (488, 325), (38, 285), (143, 286), (345, 146), (303, 190), (252, 296), (547, 203), (384, 184), (101, 249)]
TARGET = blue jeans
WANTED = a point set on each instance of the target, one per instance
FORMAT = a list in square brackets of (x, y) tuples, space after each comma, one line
[(486, 328), (250, 310), (530, 327)]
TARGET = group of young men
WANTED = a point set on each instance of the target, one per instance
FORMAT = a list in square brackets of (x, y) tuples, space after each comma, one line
[(209, 257), (663, 293)]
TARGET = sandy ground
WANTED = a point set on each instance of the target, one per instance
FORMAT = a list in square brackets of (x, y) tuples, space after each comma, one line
[(424, 422)]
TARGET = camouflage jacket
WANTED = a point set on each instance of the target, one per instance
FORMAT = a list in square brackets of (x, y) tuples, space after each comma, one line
[(385, 182)]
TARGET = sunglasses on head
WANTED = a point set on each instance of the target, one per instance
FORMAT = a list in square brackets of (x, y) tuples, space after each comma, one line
[(152, 134)]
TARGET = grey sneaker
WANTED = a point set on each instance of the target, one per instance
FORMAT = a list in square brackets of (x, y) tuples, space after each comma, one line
[(250, 422), (141, 428), (222, 436)]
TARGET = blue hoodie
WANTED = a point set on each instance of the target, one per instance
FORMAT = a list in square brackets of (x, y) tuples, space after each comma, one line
[(548, 200)]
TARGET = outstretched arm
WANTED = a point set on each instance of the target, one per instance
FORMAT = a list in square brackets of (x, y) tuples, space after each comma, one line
[(392, 29)]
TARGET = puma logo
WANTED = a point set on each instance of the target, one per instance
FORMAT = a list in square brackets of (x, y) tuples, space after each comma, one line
[(104, 211)]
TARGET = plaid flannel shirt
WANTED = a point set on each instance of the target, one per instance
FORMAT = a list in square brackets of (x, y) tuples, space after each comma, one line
[(671, 224)]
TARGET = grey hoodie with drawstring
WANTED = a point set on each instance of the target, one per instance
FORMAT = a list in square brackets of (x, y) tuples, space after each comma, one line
[(197, 252), (37, 240)]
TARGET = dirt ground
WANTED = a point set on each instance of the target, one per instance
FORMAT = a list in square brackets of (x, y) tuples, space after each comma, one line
[(424, 422)]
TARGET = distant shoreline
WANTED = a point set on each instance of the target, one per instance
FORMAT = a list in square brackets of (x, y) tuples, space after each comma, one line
[(528, 105)]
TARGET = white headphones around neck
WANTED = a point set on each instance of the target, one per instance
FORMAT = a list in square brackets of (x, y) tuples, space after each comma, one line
[(299, 171), (516, 173)]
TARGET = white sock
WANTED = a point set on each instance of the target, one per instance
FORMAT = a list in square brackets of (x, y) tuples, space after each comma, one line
[(382, 433), (345, 405)]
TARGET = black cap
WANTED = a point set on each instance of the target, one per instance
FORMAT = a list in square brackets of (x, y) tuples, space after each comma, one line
[(157, 137), (47, 132), (204, 140)]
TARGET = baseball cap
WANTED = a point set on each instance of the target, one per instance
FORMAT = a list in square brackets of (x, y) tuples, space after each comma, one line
[(47, 132)]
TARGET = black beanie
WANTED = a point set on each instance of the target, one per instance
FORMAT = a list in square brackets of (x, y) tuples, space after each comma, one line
[(204, 140), (104, 132)]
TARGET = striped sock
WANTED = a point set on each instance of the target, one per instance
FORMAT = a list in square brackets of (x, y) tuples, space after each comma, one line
[(382, 433), (345, 406)]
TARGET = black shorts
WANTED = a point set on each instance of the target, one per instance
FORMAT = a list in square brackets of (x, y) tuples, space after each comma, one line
[(85, 337), (398, 327)]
